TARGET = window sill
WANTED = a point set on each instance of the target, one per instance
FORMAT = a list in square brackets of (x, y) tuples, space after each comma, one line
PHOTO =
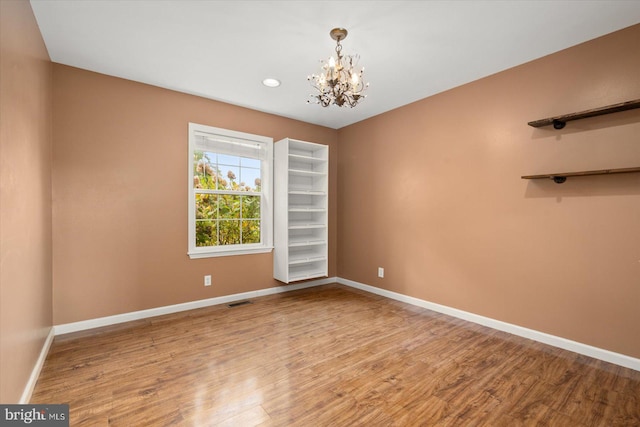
[(228, 252)]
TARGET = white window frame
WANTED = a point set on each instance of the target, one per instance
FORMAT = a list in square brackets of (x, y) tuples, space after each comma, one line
[(266, 201)]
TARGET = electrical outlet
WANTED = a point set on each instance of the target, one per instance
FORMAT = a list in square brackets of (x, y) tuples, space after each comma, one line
[(207, 280), (380, 272)]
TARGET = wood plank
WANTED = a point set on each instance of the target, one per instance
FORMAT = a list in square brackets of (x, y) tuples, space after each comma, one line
[(328, 355), (615, 108), (583, 173)]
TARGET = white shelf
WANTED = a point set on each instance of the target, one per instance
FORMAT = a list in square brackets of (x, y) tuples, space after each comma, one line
[(298, 157), (308, 192), (304, 225), (303, 243), (295, 261), (303, 172), (305, 209), (300, 210), (307, 189), (305, 275)]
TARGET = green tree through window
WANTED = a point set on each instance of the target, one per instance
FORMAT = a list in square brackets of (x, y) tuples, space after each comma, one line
[(228, 210)]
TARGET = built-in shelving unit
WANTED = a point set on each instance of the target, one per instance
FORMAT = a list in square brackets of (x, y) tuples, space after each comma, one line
[(559, 122), (300, 210)]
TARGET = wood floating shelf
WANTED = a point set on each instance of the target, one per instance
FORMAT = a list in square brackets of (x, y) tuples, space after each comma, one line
[(559, 122), (561, 177)]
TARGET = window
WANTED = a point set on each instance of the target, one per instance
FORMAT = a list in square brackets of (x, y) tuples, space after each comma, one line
[(230, 193)]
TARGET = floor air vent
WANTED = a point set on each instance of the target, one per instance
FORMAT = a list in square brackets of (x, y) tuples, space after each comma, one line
[(238, 303)]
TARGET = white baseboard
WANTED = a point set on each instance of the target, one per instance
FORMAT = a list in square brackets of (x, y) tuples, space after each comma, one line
[(576, 347), (35, 373), (67, 328)]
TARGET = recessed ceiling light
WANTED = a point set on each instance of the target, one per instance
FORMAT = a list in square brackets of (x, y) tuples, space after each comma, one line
[(269, 82)]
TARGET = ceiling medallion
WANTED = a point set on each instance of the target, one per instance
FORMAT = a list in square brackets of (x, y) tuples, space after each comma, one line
[(338, 83)]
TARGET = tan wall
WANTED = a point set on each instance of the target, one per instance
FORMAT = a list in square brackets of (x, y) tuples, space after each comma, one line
[(432, 193), (120, 196), (25, 196)]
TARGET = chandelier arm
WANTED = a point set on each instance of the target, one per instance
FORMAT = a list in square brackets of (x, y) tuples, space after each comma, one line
[(338, 82)]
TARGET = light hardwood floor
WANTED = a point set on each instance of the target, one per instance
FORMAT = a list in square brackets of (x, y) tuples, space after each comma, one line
[(327, 356)]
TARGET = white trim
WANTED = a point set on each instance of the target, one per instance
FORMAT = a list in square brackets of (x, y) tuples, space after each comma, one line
[(266, 202), (158, 311), (228, 252), (35, 373), (576, 347)]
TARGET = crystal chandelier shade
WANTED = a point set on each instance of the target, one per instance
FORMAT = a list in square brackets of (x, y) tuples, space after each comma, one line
[(338, 83)]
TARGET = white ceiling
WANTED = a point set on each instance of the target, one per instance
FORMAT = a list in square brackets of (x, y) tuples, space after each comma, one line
[(224, 49)]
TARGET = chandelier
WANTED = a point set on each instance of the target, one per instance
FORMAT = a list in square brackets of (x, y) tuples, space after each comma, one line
[(338, 83)]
